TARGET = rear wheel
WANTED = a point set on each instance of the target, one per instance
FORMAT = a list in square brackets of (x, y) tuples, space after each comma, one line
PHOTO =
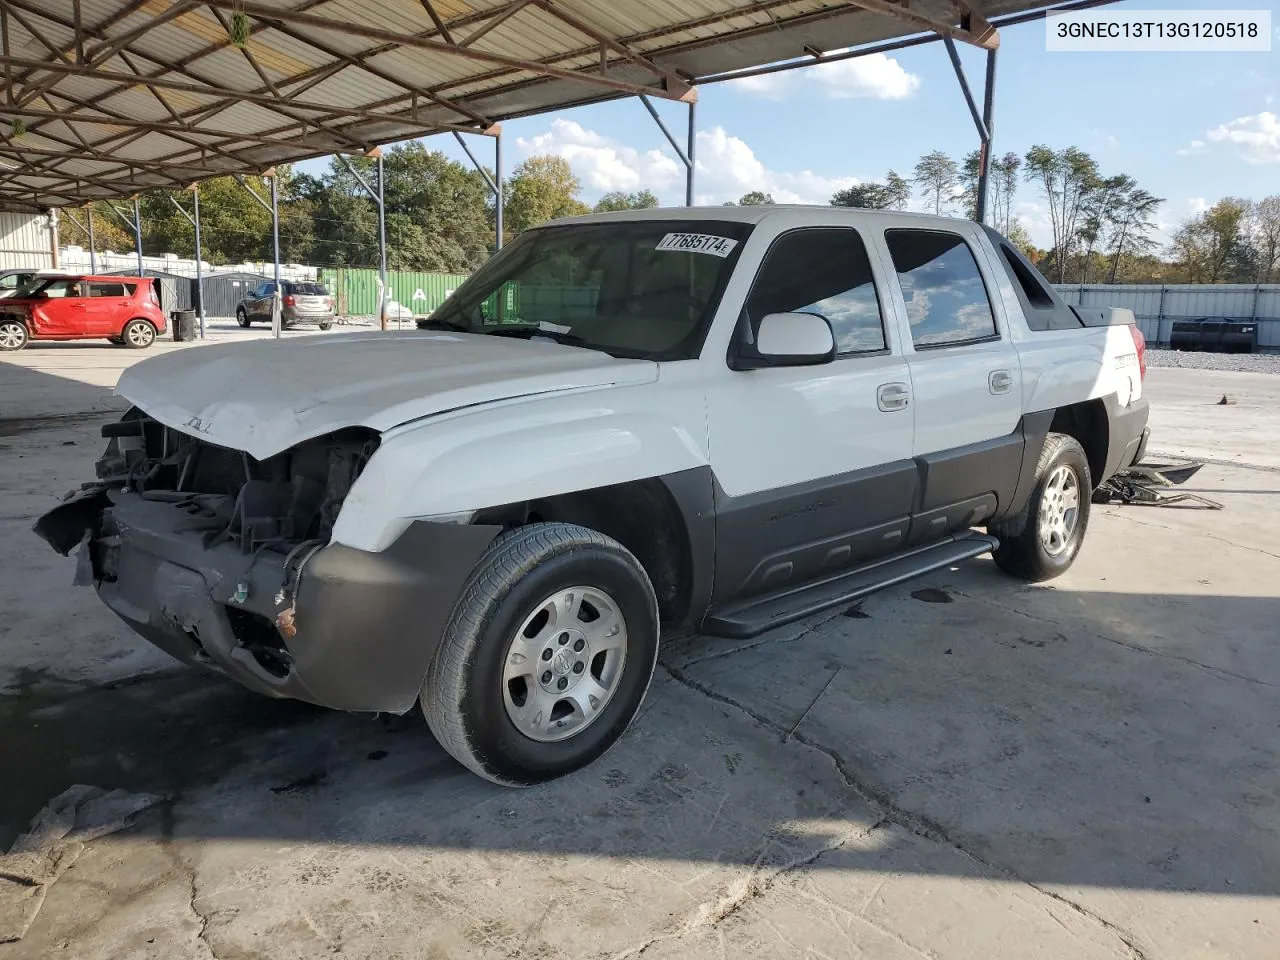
[(547, 656), (13, 335), (326, 324), (242, 318), (1041, 541), (138, 334)]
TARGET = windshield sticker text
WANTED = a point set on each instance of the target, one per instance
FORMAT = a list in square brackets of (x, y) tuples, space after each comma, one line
[(697, 243)]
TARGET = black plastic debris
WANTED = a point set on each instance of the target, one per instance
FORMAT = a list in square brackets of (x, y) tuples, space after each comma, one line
[(1144, 485)]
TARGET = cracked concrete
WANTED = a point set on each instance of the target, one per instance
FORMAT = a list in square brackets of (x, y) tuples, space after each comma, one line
[(1086, 769)]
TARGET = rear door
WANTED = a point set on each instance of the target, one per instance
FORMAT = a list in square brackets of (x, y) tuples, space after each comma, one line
[(965, 378), (813, 464), (105, 308)]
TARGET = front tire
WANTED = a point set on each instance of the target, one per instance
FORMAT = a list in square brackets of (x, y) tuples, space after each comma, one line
[(1041, 541), (547, 655), (13, 335), (242, 318)]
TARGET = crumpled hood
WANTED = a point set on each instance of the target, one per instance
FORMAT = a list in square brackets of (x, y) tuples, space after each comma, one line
[(265, 396)]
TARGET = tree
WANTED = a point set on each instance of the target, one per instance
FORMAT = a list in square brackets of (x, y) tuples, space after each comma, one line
[(1213, 247), (542, 188), (108, 232), (1004, 184), (1065, 177), (755, 198), (970, 177), (1131, 225), (1265, 226), (618, 200), (869, 195), (899, 191), (937, 176)]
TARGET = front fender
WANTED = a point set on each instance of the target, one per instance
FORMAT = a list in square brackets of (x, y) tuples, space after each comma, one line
[(521, 450)]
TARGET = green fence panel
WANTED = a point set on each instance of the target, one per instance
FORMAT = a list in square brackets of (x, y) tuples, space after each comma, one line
[(356, 289)]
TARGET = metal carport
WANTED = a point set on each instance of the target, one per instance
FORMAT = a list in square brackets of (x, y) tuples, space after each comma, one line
[(109, 98)]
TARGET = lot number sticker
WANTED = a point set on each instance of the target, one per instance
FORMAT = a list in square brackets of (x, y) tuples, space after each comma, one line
[(698, 243)]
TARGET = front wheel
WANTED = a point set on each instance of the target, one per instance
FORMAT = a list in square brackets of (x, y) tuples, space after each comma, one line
[(1041, 541), (242, 318), (13, 335), (326, 324), (547, 656), (138, 334)]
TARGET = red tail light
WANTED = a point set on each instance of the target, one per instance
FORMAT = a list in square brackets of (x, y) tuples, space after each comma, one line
[(289, 300), (1140, 345)]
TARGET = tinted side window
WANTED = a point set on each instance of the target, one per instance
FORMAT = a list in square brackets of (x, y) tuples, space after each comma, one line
[(946, 299), (824, 271), (106, 290)]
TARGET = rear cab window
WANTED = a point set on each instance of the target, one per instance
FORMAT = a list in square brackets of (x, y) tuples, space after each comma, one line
[(942, 287), (306, 289)]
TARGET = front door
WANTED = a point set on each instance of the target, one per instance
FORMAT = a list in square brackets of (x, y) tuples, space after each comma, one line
[(812, 464), (965, 380), (59, 311)]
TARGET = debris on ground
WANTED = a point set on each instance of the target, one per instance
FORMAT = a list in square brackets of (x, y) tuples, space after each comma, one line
[(54, 841), (1142, 485)]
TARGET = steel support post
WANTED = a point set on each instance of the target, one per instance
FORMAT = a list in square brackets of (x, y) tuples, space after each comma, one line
[(691, 159), (275, 254), (93, 251), (685, 155), (378, 197), (382, 245), (982, 121), (494, 183), (499, 192), (988, 121), (195, 220), (137, 233)]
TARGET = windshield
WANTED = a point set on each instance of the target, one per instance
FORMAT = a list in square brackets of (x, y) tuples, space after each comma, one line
[(640, 288)]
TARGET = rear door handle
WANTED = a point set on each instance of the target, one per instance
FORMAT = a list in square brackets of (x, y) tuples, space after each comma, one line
[(1000, 381), (893, 396)]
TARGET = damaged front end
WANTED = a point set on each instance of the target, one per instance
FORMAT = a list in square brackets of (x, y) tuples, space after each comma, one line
[(226, 561)]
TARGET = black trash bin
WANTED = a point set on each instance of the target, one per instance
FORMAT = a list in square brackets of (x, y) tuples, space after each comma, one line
[(184, 325)]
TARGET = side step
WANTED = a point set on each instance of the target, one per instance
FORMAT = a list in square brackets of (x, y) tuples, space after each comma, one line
[(758, 614)]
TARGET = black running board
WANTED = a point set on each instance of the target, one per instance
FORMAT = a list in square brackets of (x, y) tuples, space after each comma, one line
[(759, 614)]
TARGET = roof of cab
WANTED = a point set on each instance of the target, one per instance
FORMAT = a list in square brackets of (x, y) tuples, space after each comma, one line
[(755, 213)]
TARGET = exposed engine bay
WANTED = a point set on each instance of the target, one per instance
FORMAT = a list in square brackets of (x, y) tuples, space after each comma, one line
[(291, 498)]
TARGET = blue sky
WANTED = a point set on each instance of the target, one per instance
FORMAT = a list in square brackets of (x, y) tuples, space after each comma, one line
[(1191, 127)]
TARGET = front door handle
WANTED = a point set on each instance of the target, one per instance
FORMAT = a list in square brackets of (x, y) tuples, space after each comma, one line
[(1000, 381), (893, 396)]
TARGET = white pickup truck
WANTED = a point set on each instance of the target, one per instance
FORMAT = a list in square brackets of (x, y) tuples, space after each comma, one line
[(718, 420)]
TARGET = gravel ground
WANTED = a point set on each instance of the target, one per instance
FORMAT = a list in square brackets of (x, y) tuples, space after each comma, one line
[(1233, 362)]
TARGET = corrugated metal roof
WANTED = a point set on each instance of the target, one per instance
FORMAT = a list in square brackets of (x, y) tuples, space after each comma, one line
[(109, 96)]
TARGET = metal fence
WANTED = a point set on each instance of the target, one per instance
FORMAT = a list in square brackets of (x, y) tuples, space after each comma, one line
[(1158, 306)]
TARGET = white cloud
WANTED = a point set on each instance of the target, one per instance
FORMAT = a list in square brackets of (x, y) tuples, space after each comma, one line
[(873, 77), (601, 163), (1257, 136), (728, 168), (1197, 205)]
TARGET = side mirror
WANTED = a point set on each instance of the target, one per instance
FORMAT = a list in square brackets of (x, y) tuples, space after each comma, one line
[(789, 340)]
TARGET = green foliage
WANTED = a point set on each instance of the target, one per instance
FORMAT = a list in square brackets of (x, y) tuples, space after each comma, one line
[(869, 196), (541, 189), (1214, 247), (618, 200), (755, 198), (937, 176)]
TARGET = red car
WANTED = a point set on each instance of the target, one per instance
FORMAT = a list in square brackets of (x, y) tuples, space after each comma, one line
[(124, 310)]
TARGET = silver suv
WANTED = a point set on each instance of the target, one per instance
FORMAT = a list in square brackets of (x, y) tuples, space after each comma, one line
[(301, 301)]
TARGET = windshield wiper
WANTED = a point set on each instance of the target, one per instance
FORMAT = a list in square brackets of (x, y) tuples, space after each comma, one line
[(437, 324), (529, 331)]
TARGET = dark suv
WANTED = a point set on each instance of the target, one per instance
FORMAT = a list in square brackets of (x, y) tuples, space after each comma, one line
[(301, 301)]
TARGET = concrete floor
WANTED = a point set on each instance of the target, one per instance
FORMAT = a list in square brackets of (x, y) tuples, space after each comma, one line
[(1086, 769)]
